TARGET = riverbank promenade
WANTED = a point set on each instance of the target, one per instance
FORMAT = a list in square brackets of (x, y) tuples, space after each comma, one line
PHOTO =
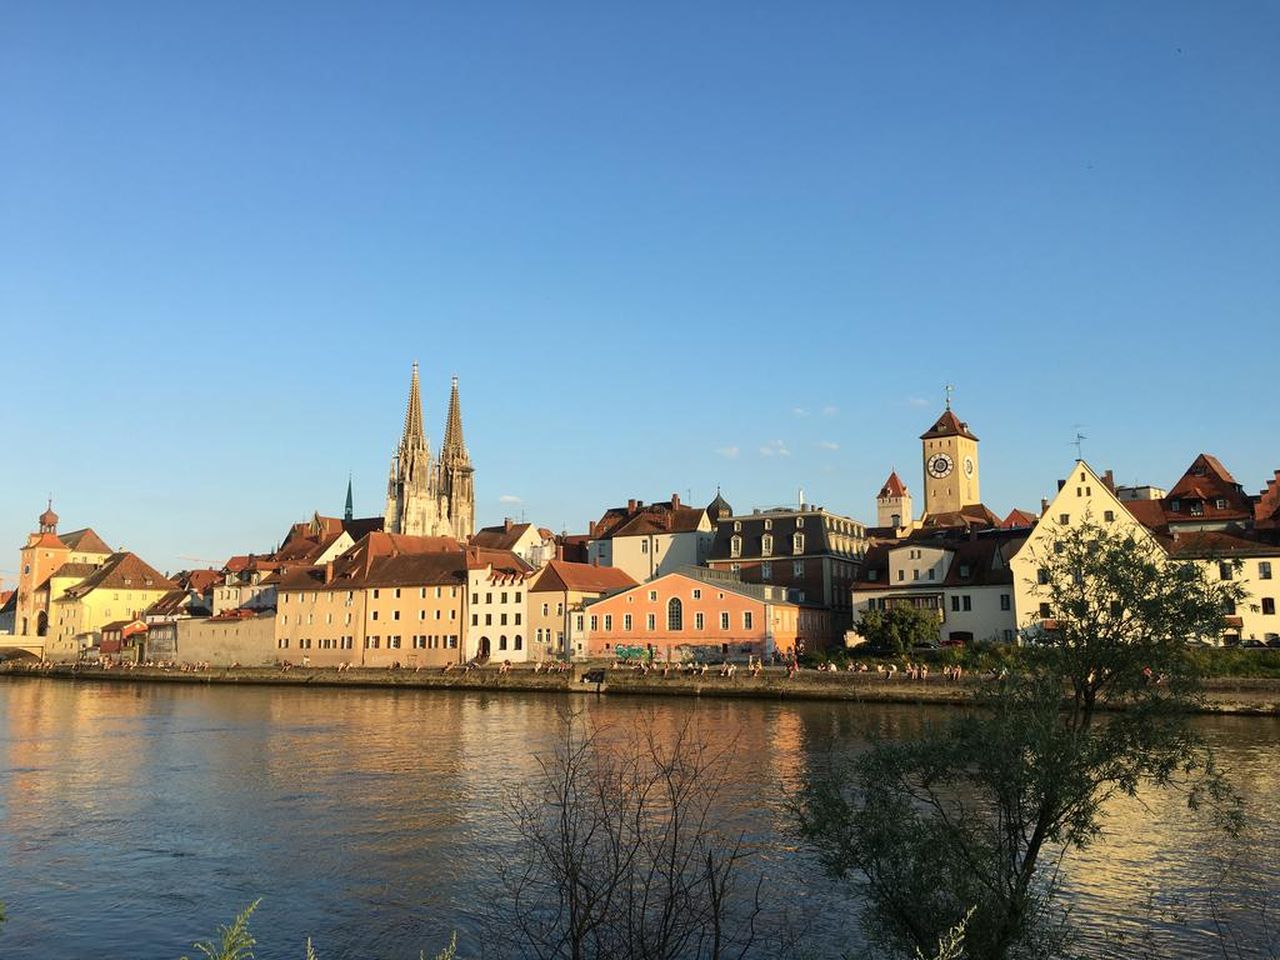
[(1223, 695)]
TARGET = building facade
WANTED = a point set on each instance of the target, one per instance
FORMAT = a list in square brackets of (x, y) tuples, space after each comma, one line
[(497, 606), (702, 615), (813, 554), (651, 540), (558, 596)]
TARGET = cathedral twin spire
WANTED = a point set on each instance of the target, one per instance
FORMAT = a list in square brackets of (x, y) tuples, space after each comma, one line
[(423, 501)]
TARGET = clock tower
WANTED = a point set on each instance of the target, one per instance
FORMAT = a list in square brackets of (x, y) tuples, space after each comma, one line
[(950, 453)]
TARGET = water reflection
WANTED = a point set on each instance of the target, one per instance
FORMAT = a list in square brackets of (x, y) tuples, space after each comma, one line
[(133, 819)]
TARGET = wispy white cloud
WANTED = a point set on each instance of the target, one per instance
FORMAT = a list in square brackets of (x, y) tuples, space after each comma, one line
[(510, 498), (775, 448), (828, 445), (830, 410), (917, 402), (730, 452), (800, 411)]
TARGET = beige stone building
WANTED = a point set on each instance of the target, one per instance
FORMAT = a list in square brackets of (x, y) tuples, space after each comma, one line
[(651, 540), (121, 589), (497, 606), (557, 598)]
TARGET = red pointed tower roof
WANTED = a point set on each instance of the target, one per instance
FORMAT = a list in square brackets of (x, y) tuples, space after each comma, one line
[(893, 487), (948, 425)]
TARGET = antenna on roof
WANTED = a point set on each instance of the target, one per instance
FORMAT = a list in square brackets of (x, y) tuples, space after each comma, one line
[(1078, 442)]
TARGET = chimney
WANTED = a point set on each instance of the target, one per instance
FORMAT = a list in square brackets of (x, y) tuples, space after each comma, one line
[(1109, 478), (631, 505), (1044, 506), (328, 572), (675, 501), (506, 524), (559, 551), (591, 528)]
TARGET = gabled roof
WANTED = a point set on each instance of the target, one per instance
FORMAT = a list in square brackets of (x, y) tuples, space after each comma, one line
[(502, 537), (200, 580), (984, 558), (1217, 543), (641, 519), (1207, 482), (49, 541), (561, 575), (1018, 518), (500, 562), (122, 571), (969, 516), (948, 425), (173, 603), (85, 541), (893, 487)]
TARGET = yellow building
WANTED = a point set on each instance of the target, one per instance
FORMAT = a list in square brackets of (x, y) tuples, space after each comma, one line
[(121, 589), (44, 555), (556, 601), (1205, 519)]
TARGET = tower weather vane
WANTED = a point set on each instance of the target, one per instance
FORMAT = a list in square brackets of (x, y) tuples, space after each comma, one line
[(950, 389)]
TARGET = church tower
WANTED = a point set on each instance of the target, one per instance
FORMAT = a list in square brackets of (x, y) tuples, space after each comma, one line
[(893, 504), (455, 481), (410, 495), (950, 453)]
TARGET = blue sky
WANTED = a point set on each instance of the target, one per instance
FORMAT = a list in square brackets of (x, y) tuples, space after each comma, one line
[(663, 245)]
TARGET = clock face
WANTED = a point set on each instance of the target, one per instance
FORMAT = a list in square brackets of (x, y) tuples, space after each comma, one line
[(968, 466), (940, 465)]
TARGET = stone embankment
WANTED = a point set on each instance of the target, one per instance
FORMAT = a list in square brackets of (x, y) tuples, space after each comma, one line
[(1226, 695)]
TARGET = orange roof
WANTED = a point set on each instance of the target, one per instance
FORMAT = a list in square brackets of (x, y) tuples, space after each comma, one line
[(582, 577), (122, 571), (1018, 518)]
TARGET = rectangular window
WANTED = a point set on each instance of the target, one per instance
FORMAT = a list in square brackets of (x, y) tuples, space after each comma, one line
[(697, 594), (1269, 606), (797, 568), (724, 620), (626, 621), (1064, 518), (955, 603), (375, 594), (902, 574), (608, 622), (699, 622), (1224, 571), (1004, 601), (650, 622), (967, 602), (1044, 611), (746, 620), (1264, 570), (504, 596), (594, 622)]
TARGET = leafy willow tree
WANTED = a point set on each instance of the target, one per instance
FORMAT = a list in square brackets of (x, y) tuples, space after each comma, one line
[(978, 814), (898, 629)]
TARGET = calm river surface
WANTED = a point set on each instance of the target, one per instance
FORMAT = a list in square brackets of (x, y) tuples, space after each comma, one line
[(134, 819)]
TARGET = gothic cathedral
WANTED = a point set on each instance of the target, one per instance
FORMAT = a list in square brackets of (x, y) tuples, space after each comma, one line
[(425, 500)]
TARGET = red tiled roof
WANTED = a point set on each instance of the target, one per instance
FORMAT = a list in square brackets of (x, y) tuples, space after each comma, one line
[(893, 487), (561, 575), (1149, 513), (49, 541), (1207, 481), (200, 580), (1018, 518), (948, 425)]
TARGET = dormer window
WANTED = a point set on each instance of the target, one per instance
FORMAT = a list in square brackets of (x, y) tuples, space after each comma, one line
[(768, 524), (1221, 503), (873, 574), (964, 570), (1197, 508), (766, 544), (735, 547), (1175, 506), (737, 526)]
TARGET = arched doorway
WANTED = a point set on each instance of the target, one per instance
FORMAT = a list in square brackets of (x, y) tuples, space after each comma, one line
[(483, 652), (42, 623)]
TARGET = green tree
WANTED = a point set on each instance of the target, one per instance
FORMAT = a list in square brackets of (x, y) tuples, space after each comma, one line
[(899, 629), (977, 814)]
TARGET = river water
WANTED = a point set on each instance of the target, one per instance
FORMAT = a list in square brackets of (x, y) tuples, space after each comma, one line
[(134, 819)]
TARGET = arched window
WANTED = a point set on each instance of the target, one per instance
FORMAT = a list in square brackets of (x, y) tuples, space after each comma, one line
[(519, 642), (675, 614), (502, 642), (766, 544), (735, 547)]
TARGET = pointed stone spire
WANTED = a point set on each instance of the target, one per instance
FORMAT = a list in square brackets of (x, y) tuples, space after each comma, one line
[(413, 435), (349, 511), (453, 448)]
